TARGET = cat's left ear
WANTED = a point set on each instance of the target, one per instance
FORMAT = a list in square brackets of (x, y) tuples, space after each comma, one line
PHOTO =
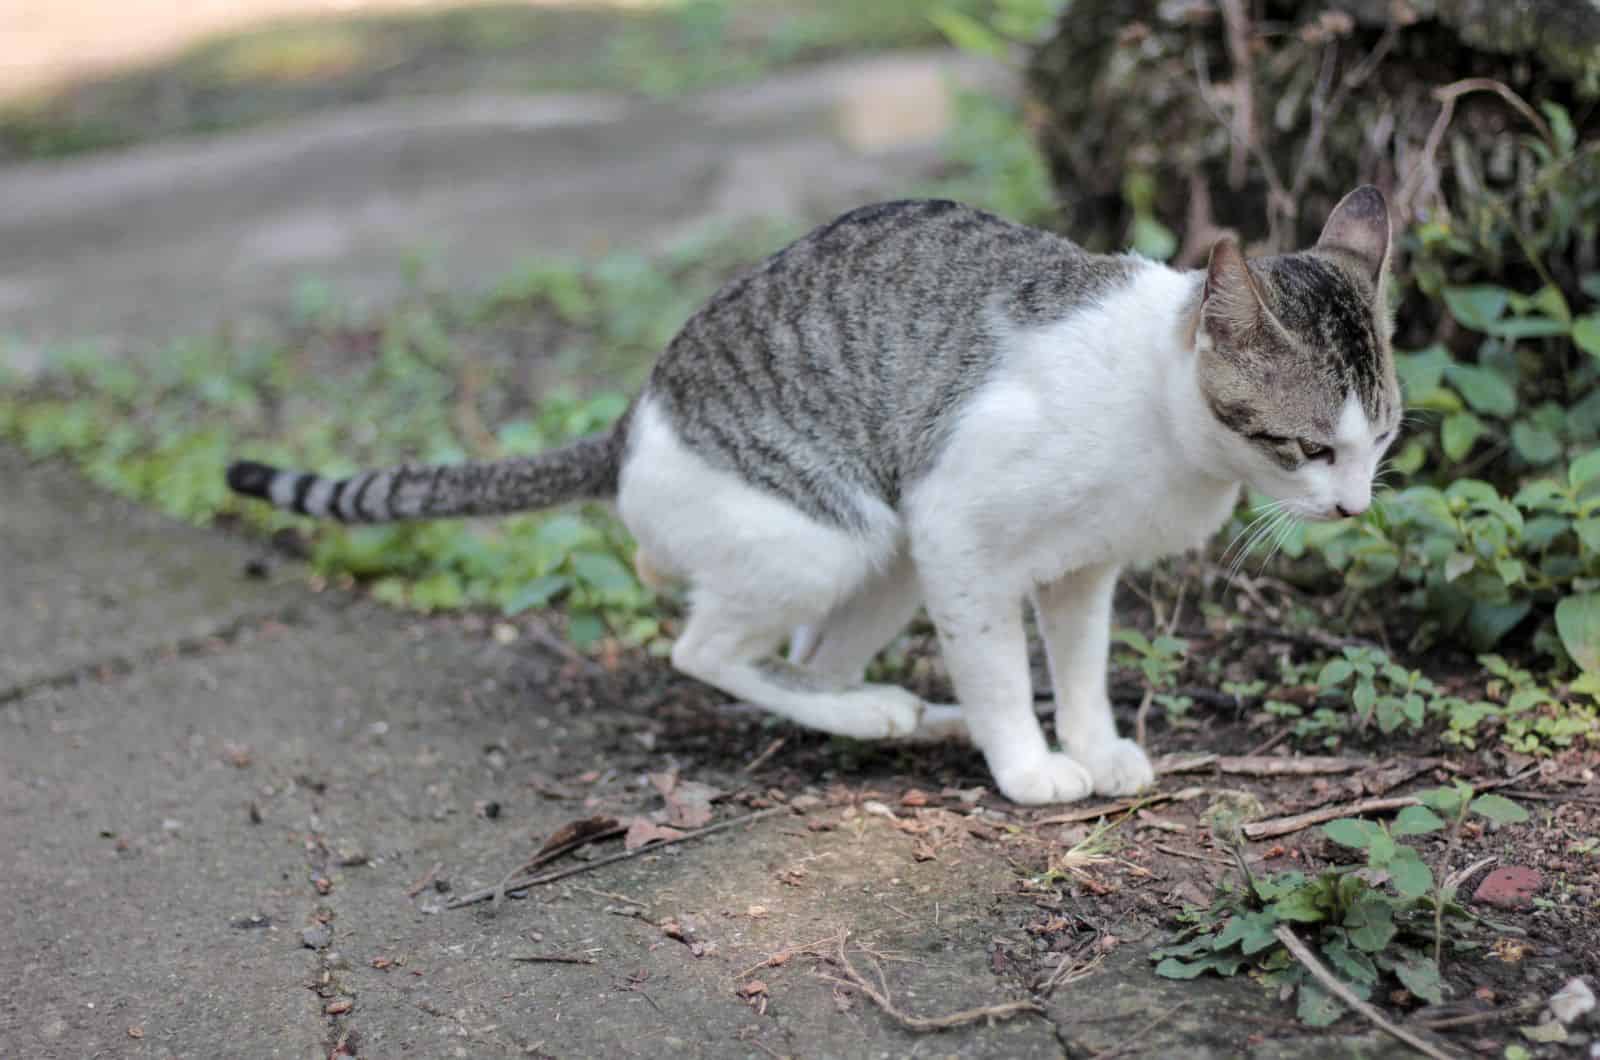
[(1359, 226)]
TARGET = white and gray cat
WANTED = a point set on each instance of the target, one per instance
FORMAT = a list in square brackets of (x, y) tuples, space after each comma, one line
[(923, 404)]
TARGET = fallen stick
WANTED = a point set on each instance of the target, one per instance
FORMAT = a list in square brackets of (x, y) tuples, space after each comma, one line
[(427, 878), (550, 877), (1277, 826), (1261, 765), (1330, 983), (783, 957), (1090, 813), (1190, 854), (1498, 1015), (544, 857), (553, 958), (924, 1024), (761, 759)]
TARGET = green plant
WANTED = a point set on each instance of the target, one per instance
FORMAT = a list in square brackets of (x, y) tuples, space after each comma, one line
[(1366, 921), (1159, 661), (431, 379)]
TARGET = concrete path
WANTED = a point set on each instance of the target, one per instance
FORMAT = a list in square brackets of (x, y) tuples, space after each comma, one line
[(174, 239)]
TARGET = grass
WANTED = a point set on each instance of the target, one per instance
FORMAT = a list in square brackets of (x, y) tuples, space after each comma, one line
[(549, 355), (296, 67)]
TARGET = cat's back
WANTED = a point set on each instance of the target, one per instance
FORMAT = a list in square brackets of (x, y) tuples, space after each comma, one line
[(838, 363)]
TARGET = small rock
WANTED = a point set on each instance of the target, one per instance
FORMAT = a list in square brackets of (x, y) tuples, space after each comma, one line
[(317, 936), (1510, 887), (338, 1008), (1573, 1001), (350, 854)]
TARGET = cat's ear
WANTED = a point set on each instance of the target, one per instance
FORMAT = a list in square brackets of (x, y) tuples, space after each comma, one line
[(1359, 226), (1231, 304)]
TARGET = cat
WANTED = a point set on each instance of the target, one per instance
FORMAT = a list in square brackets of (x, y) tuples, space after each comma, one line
[(921, 404)]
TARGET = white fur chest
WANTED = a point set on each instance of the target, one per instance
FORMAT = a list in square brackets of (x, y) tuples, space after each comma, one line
[(1070, 458)]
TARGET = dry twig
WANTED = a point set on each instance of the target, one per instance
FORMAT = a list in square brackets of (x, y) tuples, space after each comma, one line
[(426, 878), (553, 958), (1091, 813), (1068, 972), (544, 857), (1331, 983), (550, 877), (1261, 765), (784, 955), (923, 1024), (1447, 97), (1277, 826), (761, 759)]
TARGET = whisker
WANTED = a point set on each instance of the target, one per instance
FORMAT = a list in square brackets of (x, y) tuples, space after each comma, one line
[(1286, 528), (1270, 516), (1261, 512)]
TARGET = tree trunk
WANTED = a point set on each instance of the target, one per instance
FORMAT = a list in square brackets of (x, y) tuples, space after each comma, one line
[(1255, 116)]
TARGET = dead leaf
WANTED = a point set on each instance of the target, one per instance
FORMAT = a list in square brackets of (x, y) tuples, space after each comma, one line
[(643, 831), (923, 852), (137, 1031), (689, 803), (338, 1008), (914, 797), (793, 876), (573, 831), (752, 989), (756, 912), (982, 831)]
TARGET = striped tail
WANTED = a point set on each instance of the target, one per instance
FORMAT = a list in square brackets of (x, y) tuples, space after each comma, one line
[(585, 469)]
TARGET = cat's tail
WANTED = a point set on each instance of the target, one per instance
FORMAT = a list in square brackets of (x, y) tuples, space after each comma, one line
[(586, 469)]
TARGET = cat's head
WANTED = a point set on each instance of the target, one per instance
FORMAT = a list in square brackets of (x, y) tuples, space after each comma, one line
[(1295, 365)]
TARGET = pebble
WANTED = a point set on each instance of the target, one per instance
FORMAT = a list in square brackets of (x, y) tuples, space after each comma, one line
[(316, 936), (1510, 887), (1573, 1001)]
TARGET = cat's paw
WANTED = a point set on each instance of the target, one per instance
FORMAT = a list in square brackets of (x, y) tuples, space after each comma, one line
[(878, 712), (1051, 778), (1117, 767)]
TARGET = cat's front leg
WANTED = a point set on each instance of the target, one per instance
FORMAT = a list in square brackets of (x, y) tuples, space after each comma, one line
[(986, 650), (1074, 614)]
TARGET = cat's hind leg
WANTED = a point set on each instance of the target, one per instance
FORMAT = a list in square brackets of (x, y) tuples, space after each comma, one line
[(757, 566), (728, 644), (841, 645)]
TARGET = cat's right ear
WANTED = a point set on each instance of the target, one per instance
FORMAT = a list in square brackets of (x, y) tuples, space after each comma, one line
[(1231, 305)]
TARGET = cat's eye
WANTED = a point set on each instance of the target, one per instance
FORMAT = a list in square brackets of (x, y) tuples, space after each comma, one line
[(1314, 451)]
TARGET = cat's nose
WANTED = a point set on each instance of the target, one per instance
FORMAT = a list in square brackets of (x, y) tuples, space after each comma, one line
[(1347, 512)]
